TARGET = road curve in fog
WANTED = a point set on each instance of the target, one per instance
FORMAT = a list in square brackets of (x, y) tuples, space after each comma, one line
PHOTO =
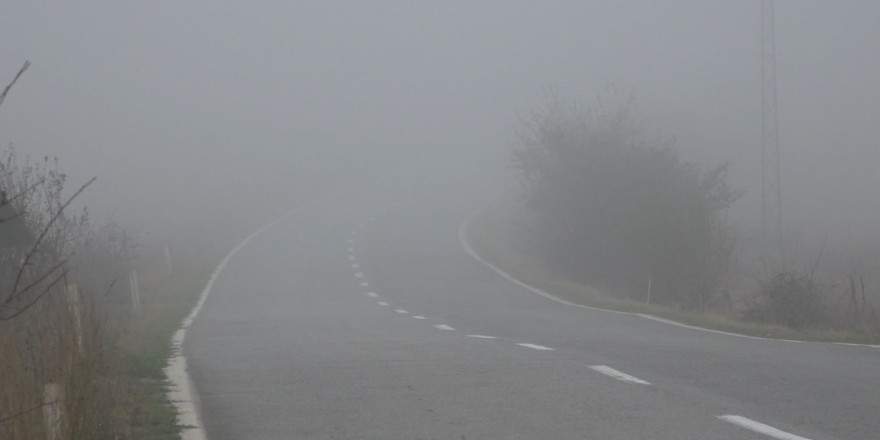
[(362, 316)]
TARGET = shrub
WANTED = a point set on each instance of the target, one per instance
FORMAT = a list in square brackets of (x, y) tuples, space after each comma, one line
[(615, 208), (790, 299)]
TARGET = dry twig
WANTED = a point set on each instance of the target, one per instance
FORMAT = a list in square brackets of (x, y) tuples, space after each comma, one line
[(17, 75)]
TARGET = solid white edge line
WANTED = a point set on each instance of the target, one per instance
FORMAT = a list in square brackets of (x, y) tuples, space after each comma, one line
[(481, 337), (443, 327), (760, 428), (182, 393), (852, 344), (619, 375), (720, 332), (462, 238), (535, 346)]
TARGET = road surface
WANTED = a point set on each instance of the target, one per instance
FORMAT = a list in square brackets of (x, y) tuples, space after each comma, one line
[(361, 316)]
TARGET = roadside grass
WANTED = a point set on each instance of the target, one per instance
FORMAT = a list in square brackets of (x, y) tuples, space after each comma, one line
[(146, 347), (497, 237)]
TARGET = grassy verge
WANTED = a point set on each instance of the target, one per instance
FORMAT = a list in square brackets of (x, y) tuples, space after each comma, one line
[(167, 300), (495, 234)]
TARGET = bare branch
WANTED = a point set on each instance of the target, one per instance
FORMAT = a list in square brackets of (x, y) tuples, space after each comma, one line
[(110, 287), (23, 309), (42, 236), (4, 220), (9, 200), (5, 419), (17, 75), (30, 286)]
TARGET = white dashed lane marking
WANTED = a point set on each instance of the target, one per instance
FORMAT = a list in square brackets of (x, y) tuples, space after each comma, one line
[(535, 346), (608, 371), (760, 428), (739, 421)]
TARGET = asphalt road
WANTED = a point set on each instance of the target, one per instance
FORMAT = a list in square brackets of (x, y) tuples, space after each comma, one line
[(361, 316)]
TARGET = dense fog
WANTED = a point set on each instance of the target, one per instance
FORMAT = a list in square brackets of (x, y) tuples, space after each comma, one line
[(189, 112)]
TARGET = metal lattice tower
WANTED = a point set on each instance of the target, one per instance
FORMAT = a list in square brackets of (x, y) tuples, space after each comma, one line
[(771, 187)]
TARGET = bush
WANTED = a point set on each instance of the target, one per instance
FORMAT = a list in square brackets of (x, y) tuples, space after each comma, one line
[(614, 208), (790, 299)]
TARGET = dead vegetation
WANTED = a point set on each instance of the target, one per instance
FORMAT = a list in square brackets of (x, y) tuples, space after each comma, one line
[(63, 314)]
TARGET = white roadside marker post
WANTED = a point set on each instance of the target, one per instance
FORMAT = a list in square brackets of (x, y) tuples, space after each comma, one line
[(135, 292), (74, 306), (52, 410)]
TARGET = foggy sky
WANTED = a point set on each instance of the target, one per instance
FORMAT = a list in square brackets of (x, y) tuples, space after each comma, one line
[(192, 107)]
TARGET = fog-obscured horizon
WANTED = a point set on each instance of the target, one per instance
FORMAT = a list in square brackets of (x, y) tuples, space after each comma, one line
[(188, 110)]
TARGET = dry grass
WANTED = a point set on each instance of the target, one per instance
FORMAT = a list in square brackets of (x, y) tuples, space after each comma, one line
[(113, 386), (50, 345)]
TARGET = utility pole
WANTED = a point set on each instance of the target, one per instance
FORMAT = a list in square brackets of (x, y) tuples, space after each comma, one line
[(771, 182)]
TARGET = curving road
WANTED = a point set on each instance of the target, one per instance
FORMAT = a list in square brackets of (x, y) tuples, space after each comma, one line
[(362, 317)]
